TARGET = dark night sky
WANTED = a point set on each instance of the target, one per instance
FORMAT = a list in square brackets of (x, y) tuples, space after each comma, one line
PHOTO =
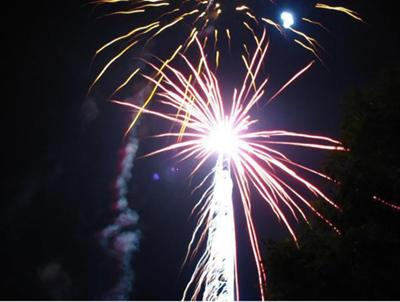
[(59, 164)]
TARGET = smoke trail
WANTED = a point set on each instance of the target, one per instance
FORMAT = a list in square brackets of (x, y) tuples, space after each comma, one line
[(122, 236)]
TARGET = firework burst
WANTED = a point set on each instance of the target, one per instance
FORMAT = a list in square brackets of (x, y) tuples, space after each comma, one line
[(246, 158)]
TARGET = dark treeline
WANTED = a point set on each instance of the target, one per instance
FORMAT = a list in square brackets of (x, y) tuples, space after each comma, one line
[(364, 262)]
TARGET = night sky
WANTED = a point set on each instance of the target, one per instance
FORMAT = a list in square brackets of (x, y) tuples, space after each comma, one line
[(61, 149)]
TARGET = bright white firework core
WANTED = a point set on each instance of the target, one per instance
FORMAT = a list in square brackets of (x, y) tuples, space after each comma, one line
[(288, 19), (223, 140)]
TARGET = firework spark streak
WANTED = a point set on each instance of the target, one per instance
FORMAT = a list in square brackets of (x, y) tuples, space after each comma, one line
[(246, 158)]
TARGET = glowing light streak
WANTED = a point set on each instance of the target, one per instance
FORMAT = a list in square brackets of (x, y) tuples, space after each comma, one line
[(341, 9), (386, 203)]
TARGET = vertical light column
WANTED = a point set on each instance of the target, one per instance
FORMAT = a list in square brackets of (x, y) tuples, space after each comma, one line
[(220, 278)]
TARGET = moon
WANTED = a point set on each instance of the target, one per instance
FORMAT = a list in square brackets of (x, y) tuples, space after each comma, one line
[(287, 19)]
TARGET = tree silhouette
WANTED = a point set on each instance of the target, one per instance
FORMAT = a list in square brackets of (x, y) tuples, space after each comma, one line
[(364, 262)]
